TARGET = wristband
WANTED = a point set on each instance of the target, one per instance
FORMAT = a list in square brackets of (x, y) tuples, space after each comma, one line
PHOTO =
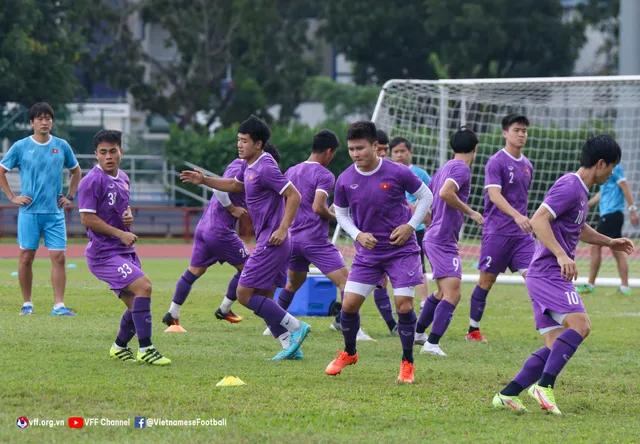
[(632, 208)]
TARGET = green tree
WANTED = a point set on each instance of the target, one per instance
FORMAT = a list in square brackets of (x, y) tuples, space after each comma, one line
[(456, 39), (263, 40), (38, 52), (604, 15), (340, 99)]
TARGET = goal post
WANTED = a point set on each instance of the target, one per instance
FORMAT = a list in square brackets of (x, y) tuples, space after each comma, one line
[(563, 112)]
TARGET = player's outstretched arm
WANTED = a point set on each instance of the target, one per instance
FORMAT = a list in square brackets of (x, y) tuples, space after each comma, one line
[(292, 203), (448, 194), (4, 184), (594, 200), (197, 178), (591, 236), (225, 201), (541, 224), (633, 213), (319, 206), (97, 225), (496, 197)]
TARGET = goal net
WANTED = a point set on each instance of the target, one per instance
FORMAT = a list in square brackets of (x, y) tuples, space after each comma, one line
[(563, 112)]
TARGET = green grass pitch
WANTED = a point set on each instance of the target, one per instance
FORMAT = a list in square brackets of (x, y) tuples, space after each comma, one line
[(56, 368)]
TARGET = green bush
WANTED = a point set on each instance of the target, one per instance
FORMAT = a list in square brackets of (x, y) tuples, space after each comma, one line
[(216, 152)]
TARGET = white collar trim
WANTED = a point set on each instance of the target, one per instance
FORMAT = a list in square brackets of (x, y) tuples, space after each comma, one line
[(42, 144), (370, 173), (257, 160), (517, 159), (581, 181), (109, 175)]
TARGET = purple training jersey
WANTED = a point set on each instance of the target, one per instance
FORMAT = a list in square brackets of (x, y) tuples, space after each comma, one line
[(378, 204), (513, 177), (108, 198), (446, 221), (567, 201), (216, 219), (264, 184), (309, 178)]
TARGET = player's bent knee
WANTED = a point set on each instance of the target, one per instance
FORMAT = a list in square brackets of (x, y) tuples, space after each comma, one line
[(141, 287), (487, 280), (580, 322), (404, 304)]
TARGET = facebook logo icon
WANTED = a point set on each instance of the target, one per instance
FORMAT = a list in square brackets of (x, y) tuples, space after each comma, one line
[(140, 422)]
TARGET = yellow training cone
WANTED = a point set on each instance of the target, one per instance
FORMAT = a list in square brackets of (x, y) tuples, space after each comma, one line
[(175, 329), (230, 381)]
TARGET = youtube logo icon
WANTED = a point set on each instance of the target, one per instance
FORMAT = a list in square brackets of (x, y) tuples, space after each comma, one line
[(75, 423)]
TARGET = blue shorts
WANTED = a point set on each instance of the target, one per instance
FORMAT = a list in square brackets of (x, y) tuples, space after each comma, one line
[(50, 226)]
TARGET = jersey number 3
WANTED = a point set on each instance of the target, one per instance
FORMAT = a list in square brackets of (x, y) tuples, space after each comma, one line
[(112, 198)]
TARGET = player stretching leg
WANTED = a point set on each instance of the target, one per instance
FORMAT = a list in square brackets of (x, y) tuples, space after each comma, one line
[(559, 314), (266, 190), (506, 235), (451, 186), (371, 206), (103, 200), (215, 240)]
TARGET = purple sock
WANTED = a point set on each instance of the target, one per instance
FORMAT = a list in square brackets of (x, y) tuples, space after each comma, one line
[(530, 372), (141, 314), (285, 298), (441, 321), (232, 289), (183, 287), (350, 324), (562, 350), (381, 298), (427, 313), (341, 299), (276, 329), (268, 310), (407, 332), (127, 330), (478, 302)]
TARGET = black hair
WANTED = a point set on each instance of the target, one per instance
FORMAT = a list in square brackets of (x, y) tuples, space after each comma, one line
[(463, 141), (510, 119), (362, 129), (325, 140), (271, 149), (256, 128), (382, 137), (599, 147), (399, 141), (40, 109), (109, 136)]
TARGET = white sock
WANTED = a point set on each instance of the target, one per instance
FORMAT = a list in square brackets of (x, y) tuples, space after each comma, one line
[(225, 307), (174, 309), (284, 340), (591, 286), (28, 304), (58, 306), (144, 349), (422, 304), (623, 288), (117, 347), (290, 323), (474, 324)]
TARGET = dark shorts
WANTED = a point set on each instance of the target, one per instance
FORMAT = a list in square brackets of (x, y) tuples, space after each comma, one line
[(611, 224), (420, 238)]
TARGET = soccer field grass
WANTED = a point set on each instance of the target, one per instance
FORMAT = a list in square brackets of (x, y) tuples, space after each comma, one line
[(56, 368)]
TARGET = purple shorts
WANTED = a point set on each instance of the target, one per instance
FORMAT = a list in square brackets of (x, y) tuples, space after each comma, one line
[(404, 270), (266, 268), (552, 294), (325, 257), (209, 249), (499, 252), (118, 271), (444, 260)]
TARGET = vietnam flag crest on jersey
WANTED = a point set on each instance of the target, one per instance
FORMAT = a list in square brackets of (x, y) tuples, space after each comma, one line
[(385, 186)]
